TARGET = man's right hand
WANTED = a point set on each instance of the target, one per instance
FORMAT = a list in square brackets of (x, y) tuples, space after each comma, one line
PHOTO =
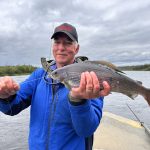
[(8, 87)]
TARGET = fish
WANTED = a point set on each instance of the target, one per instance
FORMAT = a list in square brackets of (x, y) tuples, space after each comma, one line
[(46, 64), (70, 76)]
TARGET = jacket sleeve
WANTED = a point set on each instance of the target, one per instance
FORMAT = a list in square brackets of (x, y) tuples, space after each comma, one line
[(22, 99), (86, 117)]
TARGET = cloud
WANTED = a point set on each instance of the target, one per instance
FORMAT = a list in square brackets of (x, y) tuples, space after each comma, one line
[(117, 30)]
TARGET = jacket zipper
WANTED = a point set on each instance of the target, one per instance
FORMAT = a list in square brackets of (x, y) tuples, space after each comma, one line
[(50, 117)]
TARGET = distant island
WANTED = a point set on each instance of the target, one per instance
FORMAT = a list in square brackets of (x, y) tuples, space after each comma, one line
[(27, 69)]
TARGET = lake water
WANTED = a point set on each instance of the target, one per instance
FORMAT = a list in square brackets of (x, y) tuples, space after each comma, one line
[(14, 130)]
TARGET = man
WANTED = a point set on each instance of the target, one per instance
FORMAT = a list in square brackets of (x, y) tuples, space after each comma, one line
[(60, 119)]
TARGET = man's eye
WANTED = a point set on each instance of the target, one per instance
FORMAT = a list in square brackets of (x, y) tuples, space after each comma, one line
[(56, 42), (68, 43)]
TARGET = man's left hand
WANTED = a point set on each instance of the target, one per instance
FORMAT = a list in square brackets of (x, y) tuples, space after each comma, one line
[(90, 87)]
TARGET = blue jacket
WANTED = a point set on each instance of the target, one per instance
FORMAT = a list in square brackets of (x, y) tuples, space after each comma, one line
[(55, 123)]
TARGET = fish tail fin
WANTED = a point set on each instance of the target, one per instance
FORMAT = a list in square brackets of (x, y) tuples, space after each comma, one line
[(147, 96)]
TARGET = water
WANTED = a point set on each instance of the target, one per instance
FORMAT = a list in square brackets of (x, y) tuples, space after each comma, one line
[(14, 130)]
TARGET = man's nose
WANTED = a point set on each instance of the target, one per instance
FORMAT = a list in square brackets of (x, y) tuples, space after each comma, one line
[(61, 46)]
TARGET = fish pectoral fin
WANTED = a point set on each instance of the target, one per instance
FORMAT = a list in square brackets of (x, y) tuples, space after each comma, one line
[(67, 85)]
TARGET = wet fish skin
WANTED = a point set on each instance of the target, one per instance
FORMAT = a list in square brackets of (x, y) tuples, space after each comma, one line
[(120, 83)]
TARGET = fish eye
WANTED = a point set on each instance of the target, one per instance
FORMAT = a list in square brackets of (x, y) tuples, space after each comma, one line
[(55, 73)]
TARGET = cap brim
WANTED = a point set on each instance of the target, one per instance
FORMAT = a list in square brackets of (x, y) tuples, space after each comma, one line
[(67, 33)]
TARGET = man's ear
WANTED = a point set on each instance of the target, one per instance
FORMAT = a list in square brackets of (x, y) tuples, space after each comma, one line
[(77, 48)]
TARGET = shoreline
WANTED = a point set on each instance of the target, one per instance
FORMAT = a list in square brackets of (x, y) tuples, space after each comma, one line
[(16, 70), (28, 69)]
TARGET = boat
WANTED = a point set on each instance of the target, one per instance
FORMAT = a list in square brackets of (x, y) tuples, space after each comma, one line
[(119, 133)]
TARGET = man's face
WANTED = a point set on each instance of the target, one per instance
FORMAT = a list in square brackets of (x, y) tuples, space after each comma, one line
[(64, 50)]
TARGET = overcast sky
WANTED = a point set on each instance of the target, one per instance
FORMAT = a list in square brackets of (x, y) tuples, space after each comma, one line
[(112, 30)]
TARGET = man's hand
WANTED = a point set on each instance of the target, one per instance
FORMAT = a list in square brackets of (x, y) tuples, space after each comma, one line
[(89, 87), (8, 87)]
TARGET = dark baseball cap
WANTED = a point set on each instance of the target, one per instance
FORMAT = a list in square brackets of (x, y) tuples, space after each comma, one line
[(67, 29)]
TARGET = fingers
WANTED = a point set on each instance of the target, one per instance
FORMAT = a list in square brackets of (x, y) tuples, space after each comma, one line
[(82, 82), (85, 89), (106, 89), (78, 91), (89, 83), (16, 86), (96, 85), (8, 87), (90, 87)]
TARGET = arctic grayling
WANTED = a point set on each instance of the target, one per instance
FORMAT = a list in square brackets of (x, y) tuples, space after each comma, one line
[(70, 76)]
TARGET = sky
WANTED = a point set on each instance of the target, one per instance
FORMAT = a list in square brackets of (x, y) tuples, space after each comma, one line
[(113, 30)]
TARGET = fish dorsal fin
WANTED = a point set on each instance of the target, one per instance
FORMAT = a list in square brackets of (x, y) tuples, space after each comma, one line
[(67, 85), (108, 64)]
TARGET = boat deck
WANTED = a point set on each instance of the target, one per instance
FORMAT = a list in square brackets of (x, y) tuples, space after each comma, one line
[(119, 133)]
